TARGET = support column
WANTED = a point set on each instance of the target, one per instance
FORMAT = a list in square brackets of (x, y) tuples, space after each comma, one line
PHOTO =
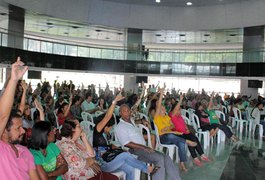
[(252, 43), (16, 24), (130, 83), (134, 44)]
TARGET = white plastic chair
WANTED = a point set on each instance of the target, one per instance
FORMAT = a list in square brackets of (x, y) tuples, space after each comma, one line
[(170, 148), (220, 134), (98, 113), (199, 132), (185, 112), (251, 124), (238, 120), (88, 128), (142, 127), (224, 110), (187, 120), (87, 117)]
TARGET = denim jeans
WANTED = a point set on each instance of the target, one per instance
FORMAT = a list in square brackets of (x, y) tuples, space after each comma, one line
[(171, 138), (167, 167), (124, 162)]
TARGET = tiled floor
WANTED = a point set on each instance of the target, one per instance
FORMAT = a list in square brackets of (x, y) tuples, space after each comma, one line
[(230, 161)]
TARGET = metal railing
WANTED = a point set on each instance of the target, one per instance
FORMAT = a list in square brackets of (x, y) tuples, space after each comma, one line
[(39, 44)]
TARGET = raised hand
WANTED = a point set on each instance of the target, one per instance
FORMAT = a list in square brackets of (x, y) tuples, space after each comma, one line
[(24, 86), (38, 105), (119, 97), (18, 70)]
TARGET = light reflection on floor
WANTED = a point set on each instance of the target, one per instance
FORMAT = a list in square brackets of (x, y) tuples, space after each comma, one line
[(224, 166)]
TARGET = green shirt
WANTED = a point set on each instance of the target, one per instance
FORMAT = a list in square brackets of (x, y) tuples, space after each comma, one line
[(48, 162), (213, 117)]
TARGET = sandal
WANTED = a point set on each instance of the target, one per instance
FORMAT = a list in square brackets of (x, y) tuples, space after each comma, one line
[(154, 170)]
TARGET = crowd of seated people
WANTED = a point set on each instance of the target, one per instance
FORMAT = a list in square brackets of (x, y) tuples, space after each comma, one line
[(48, 124)]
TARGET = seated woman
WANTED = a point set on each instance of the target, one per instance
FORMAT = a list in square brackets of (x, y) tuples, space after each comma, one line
[(76, 108), (64, 112), (215, 121), (48, 159), (123, 161), (79, 154), (167, 134), (204, 120), (181, 127)]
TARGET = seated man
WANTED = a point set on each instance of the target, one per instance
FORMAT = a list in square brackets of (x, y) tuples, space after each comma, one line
[(16, 162), (130, 136)]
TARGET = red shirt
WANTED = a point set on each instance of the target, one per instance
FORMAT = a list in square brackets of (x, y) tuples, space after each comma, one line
[(179, 123), (61, 119)]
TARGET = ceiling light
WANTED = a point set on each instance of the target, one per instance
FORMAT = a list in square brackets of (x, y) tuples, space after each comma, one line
[(157, 1), (189, 3)]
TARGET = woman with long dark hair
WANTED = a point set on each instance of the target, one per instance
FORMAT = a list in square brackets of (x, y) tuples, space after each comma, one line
[(181, 127), (48, 159)]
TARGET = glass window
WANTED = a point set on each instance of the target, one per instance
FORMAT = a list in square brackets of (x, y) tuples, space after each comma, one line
[(107, 53), (46, 47), (71, 50), (83, 51), (34, 45), (4, 40), (118, 54), (95, 53), (59, 49), (166, 56), (203, 69)]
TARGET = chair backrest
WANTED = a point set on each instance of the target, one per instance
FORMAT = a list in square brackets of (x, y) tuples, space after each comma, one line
[(142, 115), (185, 112), (237, 113), (225, 109), (56, 119), (248, 113), (117, 110), (187, 120), (87, 117), (98, 113), (195, 122), (220, 114), (144, 128), (157, 136), (88, 128)]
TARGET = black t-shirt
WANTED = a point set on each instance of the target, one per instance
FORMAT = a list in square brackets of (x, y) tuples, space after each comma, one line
[(99, 139)]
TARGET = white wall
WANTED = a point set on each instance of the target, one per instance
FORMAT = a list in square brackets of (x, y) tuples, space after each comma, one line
[(245, 90)]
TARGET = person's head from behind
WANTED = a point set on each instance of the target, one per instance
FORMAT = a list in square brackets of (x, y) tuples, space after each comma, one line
[(42, 134), (199, 106), (71, 129), (125, 112), (14, 131)]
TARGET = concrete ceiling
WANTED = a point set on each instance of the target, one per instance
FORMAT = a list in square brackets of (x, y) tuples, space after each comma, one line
[(178, 2)]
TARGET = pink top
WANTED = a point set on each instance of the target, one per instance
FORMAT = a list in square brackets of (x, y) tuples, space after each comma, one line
[(179, 123), (13, 167)]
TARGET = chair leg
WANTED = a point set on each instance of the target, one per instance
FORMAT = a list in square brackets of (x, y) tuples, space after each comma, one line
[(171, 153), (260, 130)]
